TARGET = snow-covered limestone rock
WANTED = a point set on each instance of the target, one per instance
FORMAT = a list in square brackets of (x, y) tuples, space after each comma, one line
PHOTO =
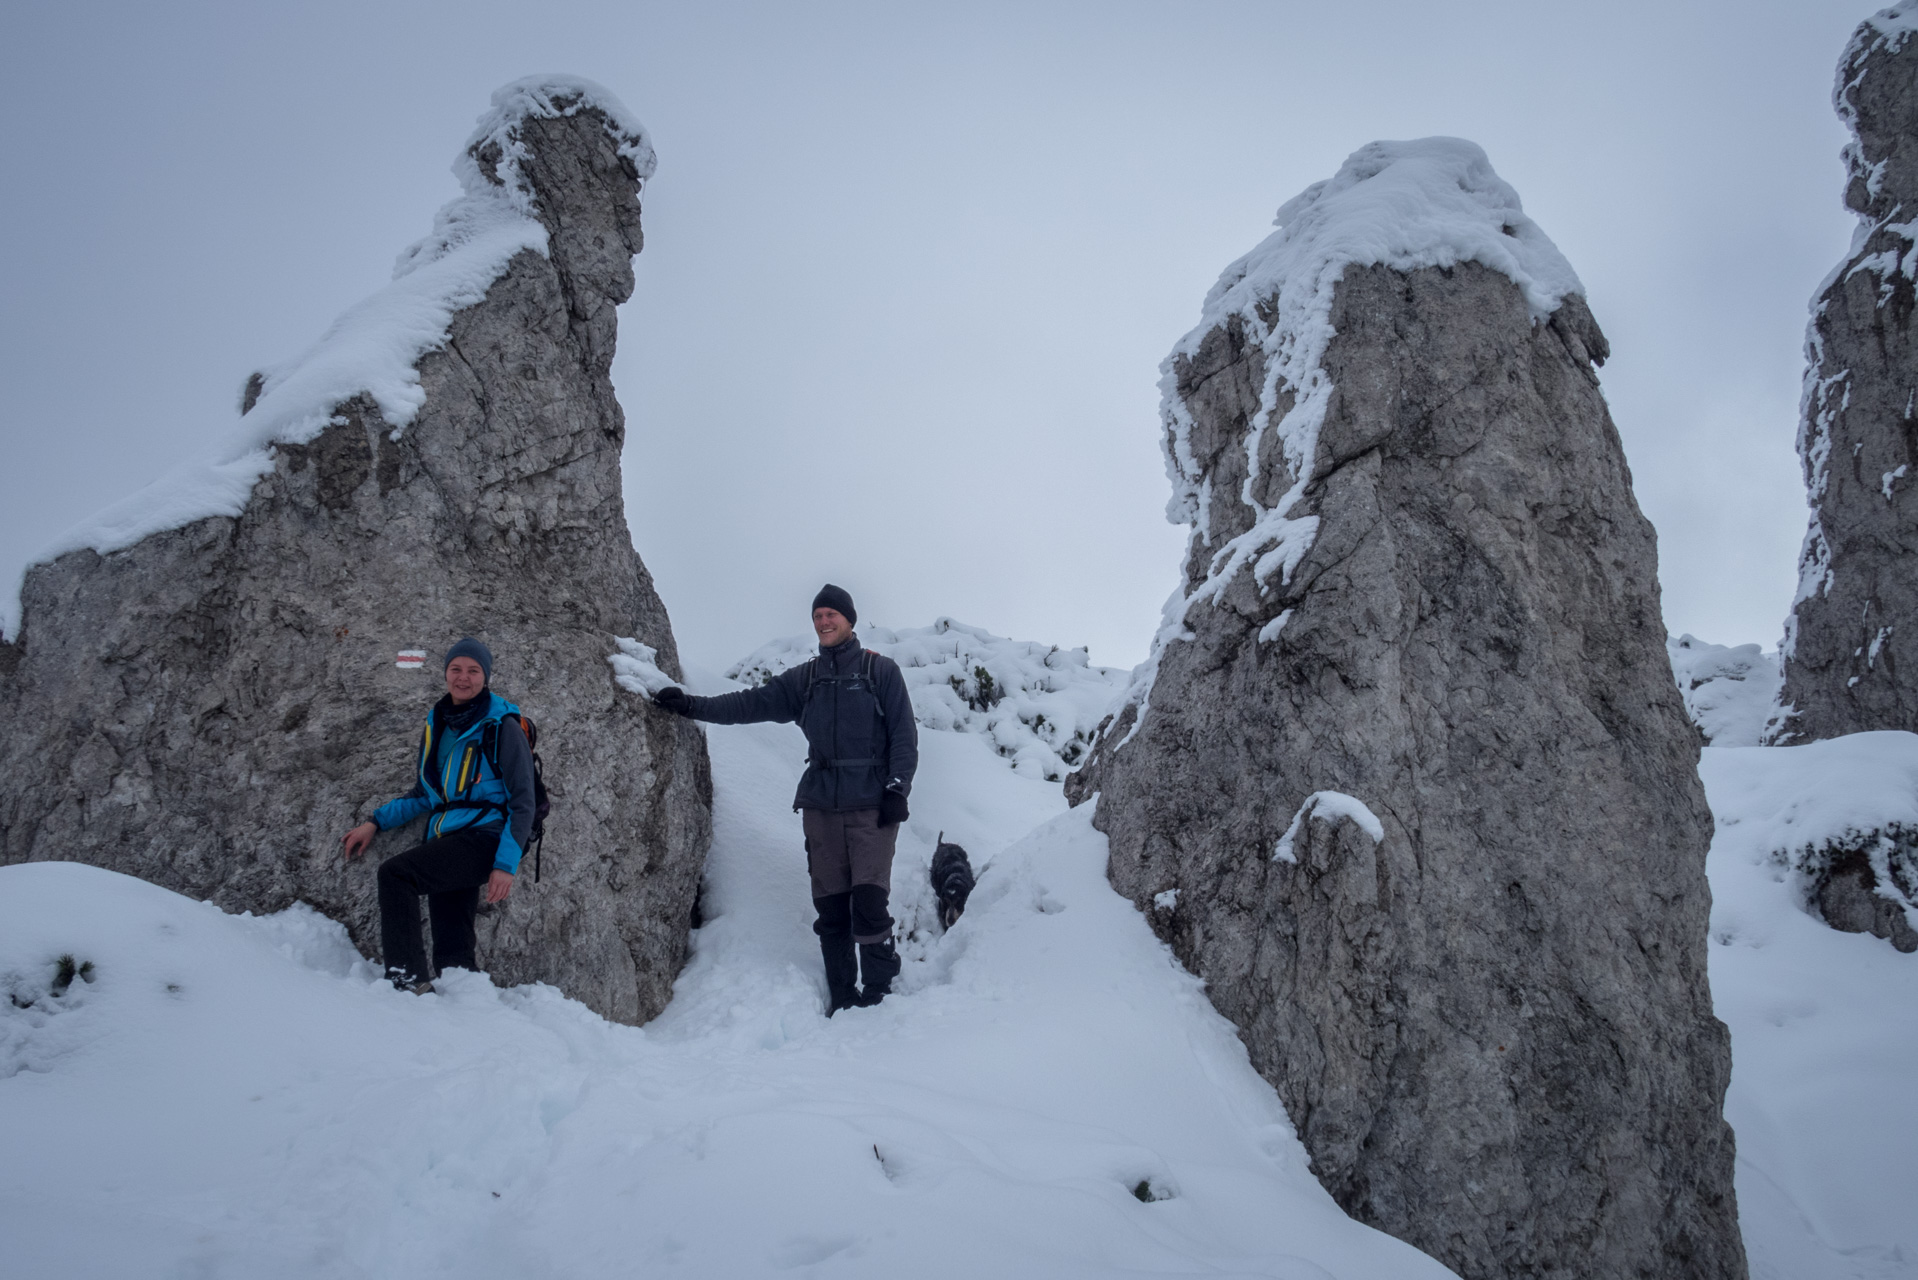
[(1851, 643), (1407, 779), (213, 682)]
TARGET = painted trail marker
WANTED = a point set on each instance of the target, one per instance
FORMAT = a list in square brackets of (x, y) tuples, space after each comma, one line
[(411, 659)]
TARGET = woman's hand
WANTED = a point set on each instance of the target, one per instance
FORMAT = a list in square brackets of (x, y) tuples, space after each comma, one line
[(498, 885), (358, 838)]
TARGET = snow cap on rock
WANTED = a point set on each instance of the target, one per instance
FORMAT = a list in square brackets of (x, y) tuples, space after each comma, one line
[(375, 347), (490, 166), (1430, 202)]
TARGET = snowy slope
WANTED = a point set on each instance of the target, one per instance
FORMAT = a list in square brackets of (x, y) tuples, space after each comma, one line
[(1824, 1024), (236, 1097)]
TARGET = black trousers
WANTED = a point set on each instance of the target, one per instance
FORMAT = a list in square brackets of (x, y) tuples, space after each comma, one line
[(450, 872)]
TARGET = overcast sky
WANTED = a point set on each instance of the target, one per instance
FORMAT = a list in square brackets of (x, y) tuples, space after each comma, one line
[(910, 269)]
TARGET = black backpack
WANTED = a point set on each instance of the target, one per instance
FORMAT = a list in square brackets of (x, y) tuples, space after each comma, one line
[(814, 680), (542, 804)]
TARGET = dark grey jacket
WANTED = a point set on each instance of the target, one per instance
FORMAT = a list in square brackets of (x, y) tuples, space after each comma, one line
[(860, 736)]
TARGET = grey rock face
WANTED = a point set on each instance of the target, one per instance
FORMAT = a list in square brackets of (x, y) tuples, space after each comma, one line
[(212, 707), (1491, 1024), (1851, 645)]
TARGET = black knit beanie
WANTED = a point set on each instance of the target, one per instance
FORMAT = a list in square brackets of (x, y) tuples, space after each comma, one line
[(831, 597), (471, 648)]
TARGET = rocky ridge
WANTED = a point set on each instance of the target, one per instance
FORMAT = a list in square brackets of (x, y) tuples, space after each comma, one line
[(1408, 781), (1850, 651), (207, 686)]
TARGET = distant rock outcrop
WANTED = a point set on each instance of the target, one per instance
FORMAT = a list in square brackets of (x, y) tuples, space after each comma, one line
[(205, 690), (1407, 780), (1729, 691), (1851, 644)]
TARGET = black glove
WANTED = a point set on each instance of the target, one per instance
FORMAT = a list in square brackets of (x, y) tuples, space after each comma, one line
[(892, 808), (673, 698)]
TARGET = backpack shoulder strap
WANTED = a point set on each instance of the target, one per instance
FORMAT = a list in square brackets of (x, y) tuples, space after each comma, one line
[(489, 736)]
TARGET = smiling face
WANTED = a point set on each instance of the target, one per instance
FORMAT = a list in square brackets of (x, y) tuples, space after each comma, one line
[(464, 680), (830, 626)]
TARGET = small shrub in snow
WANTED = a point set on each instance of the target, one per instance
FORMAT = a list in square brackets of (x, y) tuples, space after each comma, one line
[(66, 969)]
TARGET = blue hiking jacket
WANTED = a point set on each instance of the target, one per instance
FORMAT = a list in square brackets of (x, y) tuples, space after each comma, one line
[(456, 769)]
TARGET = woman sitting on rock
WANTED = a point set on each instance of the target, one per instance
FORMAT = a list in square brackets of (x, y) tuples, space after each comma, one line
[(475, 784)]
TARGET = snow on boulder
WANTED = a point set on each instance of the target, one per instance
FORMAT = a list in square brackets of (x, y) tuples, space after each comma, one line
[(1729, 691), (1822, 1022), (1838, 819), (213, 680), (1417, 654), (1037, 704)]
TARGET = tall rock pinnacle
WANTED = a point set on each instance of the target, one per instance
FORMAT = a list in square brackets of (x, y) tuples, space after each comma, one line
[(1851, 643), (214, 680), (1409, 750)]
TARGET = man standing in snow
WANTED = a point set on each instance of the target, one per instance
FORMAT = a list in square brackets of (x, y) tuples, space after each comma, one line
[(474, 781), (862, 750)]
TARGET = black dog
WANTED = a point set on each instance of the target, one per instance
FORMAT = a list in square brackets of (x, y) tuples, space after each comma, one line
[(951, 881)]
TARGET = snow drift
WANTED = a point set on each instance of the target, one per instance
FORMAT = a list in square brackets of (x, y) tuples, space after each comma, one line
[(1049, 1094)]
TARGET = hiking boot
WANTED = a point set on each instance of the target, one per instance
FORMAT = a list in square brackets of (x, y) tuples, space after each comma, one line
[(879, 964), (842, 972), (404, 981), (834, 928)]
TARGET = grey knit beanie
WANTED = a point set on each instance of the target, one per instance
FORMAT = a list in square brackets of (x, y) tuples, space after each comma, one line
[(471, 648)]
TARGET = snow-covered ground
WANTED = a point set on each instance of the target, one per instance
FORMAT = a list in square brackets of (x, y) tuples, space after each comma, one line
[(1824, 1024), (227, 1096)]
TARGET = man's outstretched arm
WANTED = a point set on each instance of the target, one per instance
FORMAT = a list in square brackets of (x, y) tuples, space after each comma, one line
[(780, 698)]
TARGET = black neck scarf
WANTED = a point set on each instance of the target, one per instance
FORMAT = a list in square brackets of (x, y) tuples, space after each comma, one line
[(456, 720)]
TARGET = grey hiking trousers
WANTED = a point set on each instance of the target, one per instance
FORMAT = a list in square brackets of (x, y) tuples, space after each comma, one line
[(848, 851)]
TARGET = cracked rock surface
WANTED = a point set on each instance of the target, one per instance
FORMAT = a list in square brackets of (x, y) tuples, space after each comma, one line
[(1490, 1024), (1851, 645), (212, 707)]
